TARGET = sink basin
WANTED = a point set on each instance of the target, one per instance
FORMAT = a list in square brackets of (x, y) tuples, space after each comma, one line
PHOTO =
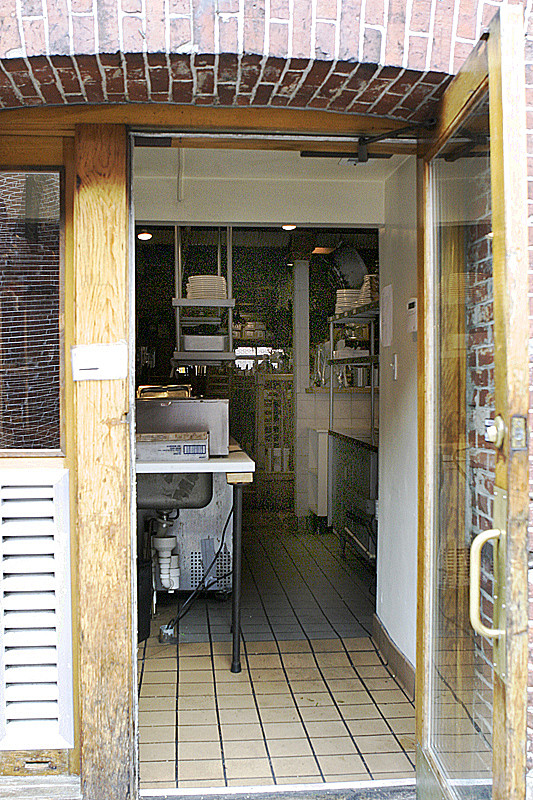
[(171, 490)]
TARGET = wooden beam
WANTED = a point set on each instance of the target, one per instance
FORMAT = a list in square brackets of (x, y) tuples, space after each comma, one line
[(30, 151), (62, 120), (103, 490)]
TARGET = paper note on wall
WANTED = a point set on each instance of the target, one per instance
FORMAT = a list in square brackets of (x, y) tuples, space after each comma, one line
[(385, 316), (99, 362)]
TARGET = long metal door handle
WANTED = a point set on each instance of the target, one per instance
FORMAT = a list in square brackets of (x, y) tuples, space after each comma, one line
[(475, 583)]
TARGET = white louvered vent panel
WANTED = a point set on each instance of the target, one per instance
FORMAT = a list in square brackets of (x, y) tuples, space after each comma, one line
[(35, 626)]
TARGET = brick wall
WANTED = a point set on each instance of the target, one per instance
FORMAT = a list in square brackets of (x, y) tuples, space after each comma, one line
[(29, 311), (362, 56)]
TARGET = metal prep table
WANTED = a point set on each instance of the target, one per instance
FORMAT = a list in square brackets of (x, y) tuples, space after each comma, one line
[(239, 469)]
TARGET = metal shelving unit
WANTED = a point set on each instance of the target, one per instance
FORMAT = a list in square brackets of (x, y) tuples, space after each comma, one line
[(364, 315), (221, 311), (352, 460)]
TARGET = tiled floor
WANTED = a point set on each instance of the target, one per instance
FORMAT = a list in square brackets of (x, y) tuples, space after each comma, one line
[(314, 702)]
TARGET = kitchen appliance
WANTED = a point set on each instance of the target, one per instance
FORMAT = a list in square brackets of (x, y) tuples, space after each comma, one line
[(186, 415)]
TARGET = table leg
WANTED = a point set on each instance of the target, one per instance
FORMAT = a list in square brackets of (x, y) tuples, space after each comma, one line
[(236, 580)]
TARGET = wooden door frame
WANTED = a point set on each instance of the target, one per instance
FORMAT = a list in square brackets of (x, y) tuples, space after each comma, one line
[(496, 54)]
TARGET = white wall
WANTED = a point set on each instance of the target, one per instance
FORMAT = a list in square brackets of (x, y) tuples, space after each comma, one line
[(255, 187), (397, 536)]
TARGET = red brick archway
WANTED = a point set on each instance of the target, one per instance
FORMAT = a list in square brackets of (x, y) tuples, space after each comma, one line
[(357, 56)]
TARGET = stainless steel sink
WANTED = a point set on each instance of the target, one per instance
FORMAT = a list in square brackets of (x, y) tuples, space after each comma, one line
[(171, 490)]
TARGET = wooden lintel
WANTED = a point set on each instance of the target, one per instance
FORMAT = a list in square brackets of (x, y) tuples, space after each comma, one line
[(62, 120)]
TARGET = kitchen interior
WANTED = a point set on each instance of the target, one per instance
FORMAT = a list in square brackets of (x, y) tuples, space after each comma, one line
[(275, 362)]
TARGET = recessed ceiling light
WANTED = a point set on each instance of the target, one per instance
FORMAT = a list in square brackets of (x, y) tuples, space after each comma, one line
[(144, 235), (288, 227)]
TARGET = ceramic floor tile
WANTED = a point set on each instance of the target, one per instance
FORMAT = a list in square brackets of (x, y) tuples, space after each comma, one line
[(289, 747), (160, 665), (329, 728), (147, 704), (188, 751), (228, 689), (301, 687), (271, 687), (235, 701), (196, 702), (308, 780), (313, 699), (245, 733), (245, 749), (295, 767), (265, 661), (403, 725), (278, 715), (334, 746), (387, 762), (202, 717), (195, 676), (202, 784), (194, 649), (294, 646), (197, 733), (200, 770), (149, 718), (157, 770), (257, 648), (326, 645), (158, 689), (156, 734), (284, 730), (341, 764), (157, 752), (389, 696), (394, 710), (243, 715), (188, 663), (348, 778), (157, 784), (237, 768), (314, 713), (384, 743)]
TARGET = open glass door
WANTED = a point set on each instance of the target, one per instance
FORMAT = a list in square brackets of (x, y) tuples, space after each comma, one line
[(471, 671)]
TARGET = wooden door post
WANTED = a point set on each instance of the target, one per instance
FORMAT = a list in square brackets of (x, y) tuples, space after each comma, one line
[(103, 490)]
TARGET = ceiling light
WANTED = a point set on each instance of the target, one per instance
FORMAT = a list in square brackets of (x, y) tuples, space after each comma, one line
[(288, 227), (323, 251), (144, 235)]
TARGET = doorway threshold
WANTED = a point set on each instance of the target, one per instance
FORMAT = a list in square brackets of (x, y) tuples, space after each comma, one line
[(403, 789)]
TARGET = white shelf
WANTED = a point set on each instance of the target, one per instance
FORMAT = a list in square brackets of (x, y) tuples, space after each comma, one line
[(184, 302)]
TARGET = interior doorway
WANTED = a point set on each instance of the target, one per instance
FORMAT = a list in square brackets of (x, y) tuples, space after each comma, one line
[(316, 702)]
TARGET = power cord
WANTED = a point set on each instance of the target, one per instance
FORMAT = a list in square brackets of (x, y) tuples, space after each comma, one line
[(166, 632)]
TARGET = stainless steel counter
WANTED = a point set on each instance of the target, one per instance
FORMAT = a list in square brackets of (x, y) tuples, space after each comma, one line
[(239, 469)]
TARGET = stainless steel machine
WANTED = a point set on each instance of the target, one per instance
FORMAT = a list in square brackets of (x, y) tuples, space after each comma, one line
[(194, 507)]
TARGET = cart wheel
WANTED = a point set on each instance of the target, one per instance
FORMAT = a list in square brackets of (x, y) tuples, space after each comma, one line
[(222, 595)]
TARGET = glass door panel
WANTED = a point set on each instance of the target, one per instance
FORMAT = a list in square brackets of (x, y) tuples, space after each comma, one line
[(461, 679), (472, 661)]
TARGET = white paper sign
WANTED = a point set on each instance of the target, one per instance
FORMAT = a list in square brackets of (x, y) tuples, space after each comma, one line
[(99, 362), (385, 315)]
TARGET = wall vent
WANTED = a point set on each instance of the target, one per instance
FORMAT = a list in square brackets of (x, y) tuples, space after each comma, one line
[(36, 706)]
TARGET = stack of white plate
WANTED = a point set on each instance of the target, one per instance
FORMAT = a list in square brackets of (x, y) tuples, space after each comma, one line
[(206, 287), (346, 300), (369, 290)]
